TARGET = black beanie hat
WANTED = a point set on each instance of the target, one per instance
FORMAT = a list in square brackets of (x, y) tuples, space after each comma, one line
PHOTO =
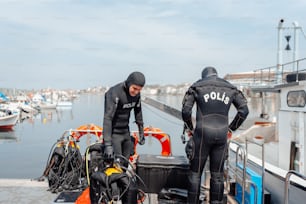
[(209, 71), (136, 78)]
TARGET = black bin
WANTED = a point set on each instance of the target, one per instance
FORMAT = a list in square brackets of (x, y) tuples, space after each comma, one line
[(159, 172)]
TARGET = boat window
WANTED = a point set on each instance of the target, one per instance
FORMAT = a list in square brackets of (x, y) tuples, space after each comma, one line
[(296, 98)]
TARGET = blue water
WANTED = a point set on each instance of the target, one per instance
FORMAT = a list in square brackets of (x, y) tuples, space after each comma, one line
[(25, 150)]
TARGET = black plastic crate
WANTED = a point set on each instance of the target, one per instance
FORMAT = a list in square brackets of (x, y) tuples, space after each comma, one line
[(159, 172)]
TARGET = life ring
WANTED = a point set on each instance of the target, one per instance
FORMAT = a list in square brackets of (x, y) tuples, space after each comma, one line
[(87, 129), (157, 133)]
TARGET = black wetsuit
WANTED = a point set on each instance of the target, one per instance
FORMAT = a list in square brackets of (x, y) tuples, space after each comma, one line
[(117, 109), (116, 132), (213, 97)]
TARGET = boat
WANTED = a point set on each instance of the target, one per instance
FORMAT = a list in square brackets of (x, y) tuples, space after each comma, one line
[(276, 149), (273, 150), (47, 105), (22, 109), (7, 121), (64, 104), (64, 101)]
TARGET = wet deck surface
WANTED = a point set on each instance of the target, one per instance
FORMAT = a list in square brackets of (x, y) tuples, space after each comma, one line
[(27, 191), (24, 191)]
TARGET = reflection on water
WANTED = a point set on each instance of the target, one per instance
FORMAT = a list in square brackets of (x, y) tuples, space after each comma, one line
[(8, 136), (58, 114)]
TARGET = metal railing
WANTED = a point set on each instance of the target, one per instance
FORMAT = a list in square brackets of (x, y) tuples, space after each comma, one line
[(262, 165), (243, 152), (268, 75), (241, 149), (287, 181)]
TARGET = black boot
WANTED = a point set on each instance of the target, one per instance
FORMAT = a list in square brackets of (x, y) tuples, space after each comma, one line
[(216, 188), (194, 181)]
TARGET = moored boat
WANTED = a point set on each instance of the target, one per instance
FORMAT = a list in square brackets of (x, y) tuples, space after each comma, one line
[(8, 121), (47, 105), (275, 150)]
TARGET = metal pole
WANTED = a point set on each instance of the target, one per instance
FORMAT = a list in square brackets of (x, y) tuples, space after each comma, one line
[(295, 45), (287, 183), (243, 152), (279, 51), (263, 173)]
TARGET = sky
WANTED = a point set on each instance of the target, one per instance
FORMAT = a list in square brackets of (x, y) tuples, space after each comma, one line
[(78, 44)]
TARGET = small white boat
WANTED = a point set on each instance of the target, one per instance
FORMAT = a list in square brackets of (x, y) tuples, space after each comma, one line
[(64, 104), (47, 105), (8, 121)]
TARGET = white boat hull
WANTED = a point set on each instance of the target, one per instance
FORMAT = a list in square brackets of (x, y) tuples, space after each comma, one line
[(7, 122)]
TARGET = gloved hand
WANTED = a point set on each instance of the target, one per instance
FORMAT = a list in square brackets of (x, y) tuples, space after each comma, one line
[(141, 139), (108, 152), (190, 148)]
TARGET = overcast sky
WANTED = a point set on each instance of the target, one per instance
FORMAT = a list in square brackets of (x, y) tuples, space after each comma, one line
[(86, 43)]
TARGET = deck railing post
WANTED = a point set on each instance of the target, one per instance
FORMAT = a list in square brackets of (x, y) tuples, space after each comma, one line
[(287, 182), (262, 165)]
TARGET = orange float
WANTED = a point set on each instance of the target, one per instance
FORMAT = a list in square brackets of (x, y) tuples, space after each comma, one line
[(157, 133), (87, 129)]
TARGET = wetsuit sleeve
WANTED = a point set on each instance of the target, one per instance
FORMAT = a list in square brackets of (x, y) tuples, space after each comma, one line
[(110, 106), (240, 104), (188, 103), (138, 116)]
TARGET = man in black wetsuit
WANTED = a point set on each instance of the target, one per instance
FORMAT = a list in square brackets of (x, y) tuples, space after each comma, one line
[(213, 97), (119, 101)]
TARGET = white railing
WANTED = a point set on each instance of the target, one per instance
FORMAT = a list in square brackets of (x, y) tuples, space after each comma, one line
[(267, 75)]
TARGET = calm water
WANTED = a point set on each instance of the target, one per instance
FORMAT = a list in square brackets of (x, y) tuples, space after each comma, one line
[(24, 151)]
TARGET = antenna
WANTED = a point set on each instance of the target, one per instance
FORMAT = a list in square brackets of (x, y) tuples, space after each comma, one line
[(280, 28)]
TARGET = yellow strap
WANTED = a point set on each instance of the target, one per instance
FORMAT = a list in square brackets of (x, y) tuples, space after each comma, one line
[(111, 170)]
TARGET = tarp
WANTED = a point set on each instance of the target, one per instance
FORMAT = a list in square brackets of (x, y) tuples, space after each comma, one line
[(3, 97)]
